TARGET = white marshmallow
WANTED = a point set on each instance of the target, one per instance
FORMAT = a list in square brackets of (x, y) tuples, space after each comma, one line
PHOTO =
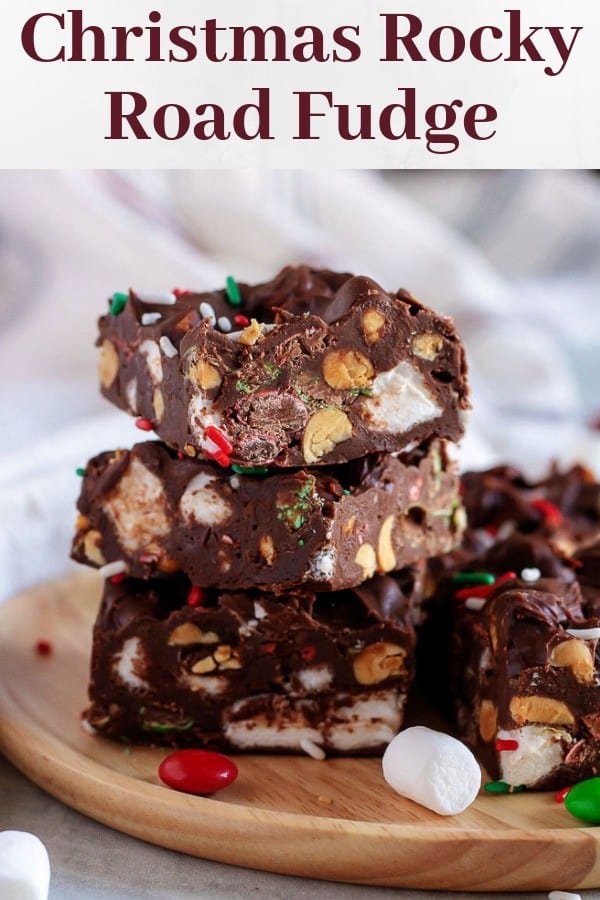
[(563, 895), (432, 769), (24, 866)]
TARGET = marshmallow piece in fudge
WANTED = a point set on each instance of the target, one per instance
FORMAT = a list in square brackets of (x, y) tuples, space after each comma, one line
[(525, 667), (323, 368), (315, 674), (321, 529)]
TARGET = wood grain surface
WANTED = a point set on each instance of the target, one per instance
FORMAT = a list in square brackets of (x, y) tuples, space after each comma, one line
[(333, 820)]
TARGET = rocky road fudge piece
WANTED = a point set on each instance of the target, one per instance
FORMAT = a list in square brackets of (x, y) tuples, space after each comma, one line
[(564, 506), (312, 368), (321, 529), (525, 666), (249, 671)]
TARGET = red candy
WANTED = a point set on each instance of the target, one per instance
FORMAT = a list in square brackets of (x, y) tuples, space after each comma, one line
[(560, 795), (269, 648), (215, 435), (179, 292), (553, 517), (506, 745), (244, 321), (197, 771), (117, 579), (308, 653), (483, 591), (144, 424), (195, 597), (43, 648)]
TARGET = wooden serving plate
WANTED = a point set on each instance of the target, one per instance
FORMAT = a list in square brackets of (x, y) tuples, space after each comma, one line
[(334, 820)]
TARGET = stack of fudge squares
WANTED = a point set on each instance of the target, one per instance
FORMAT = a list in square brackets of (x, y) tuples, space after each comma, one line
[(264, 559)]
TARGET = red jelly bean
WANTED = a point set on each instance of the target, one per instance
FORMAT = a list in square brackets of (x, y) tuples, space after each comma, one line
[(244, 321), (197, 771)]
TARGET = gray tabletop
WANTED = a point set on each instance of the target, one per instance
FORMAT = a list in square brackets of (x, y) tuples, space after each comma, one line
[(91, 862)]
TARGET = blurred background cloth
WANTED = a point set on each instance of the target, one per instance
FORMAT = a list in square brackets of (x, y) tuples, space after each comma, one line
[(513, 256)]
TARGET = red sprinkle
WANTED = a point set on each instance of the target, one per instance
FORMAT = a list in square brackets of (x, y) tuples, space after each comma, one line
[(553, 517), (215, 435), (483, 591), (180, 455), (268, 649), (43, 648), (506, 745), (117, 579), (144, 424), (218, 456), (197, 771), (308, 653), (243, 321), (560, 795), (180, 292), (195, 597)]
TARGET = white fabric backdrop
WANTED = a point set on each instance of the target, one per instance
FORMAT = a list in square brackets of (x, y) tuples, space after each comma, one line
[(67, 241)]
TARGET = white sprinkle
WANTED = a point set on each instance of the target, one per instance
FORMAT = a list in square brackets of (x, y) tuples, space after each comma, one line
[(157, 299), (114, 568), (586, 634), (151, 318), (207, 312), (259, 611), (267, 328), (532, 574), (563, 895), (235, 482), (505, 530), (224, 324), (312, 749), (87, 727), (167, 347), (475, 604)]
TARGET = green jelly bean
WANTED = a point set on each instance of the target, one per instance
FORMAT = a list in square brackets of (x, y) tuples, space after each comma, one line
[(583, 801), (473, 578)]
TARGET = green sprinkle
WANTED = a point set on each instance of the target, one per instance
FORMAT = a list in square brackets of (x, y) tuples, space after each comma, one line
[(346, 492), (501, 787), (244, 387), (159, 726), (233, 291), (118, 303), (250, 470), (473, 578), (80, 472), (301, 543)]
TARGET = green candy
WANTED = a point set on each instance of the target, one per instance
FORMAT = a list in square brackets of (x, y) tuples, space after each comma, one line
[(250, 470), (471, 578), (233, 292), (583, 801), (501, 787), (118, 303)]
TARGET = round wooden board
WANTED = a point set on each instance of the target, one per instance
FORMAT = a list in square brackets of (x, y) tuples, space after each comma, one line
[(334, 820)]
